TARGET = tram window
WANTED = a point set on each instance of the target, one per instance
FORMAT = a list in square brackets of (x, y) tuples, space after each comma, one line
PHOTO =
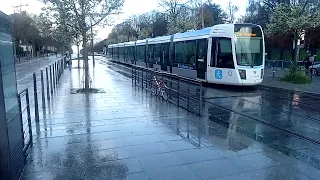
[(165, 53), (202, 50), (128, 57), (179, 52), (133, 53), (120, 52), (156, 54), (225, 58), (150, 53), (130, 53), (115, 53), (191, 50), (214, 52), (141, 53)]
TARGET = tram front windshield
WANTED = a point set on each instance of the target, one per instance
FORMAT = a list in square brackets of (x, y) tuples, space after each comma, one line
[(248, 45)]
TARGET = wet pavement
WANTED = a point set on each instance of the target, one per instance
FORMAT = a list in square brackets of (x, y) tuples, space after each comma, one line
[(125, 133)]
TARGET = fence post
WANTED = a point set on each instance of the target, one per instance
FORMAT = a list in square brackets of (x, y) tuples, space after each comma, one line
[(188, 96), (57, 72), (50, 68), (178, 92), (142, 79), (21, 121), (170, 87), (200, 100), (273, 72), (281, 64), (42, 91), (138, 76), (147, 78), (59, 68), (311, 71), (64, 62), (28, 113), (48, 88), (35, 92), (132, 74), (135, 76), (53, 76)]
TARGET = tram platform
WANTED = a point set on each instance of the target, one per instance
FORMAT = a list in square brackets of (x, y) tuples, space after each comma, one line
[(123, 132), (272, 79)]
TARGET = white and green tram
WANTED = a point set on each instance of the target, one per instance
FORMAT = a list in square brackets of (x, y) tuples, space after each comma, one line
[(232, 54)]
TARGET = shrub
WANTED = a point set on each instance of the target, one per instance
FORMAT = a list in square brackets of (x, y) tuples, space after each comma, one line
[(296, 76)]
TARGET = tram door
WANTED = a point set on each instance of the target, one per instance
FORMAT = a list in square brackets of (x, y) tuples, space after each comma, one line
[(201, 58), (164, 58)]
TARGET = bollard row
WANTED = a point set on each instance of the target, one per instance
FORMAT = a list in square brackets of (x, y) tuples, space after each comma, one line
[(57, 69), (49, 83)]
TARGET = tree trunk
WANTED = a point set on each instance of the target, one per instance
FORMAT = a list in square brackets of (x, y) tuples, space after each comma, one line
[(78, 55), (295, 52), (92, 46), (202, 17), (85, 58)]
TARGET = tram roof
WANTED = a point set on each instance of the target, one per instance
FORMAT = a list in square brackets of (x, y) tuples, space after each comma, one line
[(141, 42), (193, 34), (161, 39), (131, 43), (221, 29)]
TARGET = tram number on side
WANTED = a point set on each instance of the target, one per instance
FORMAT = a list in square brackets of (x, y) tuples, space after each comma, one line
[(218, 74)]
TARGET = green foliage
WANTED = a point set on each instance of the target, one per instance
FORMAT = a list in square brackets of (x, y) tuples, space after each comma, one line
[(296, 76), (292, 20), (36, 30)]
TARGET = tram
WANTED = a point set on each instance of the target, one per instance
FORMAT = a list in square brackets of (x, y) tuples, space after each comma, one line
[(231, 54)]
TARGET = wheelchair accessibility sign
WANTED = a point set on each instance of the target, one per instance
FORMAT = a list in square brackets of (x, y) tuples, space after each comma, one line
[(218, 74)]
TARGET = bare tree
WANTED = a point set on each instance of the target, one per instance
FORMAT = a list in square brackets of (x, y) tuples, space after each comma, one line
[(82, 15), (232, 10), (172, 8)]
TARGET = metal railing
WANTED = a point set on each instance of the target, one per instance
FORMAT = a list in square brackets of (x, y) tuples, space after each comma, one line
[(26, 128), (283, 64), (27, 105), (183, 92)]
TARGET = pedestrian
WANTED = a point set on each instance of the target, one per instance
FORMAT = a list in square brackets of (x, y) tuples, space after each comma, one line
[(308, 61), (67, 59)]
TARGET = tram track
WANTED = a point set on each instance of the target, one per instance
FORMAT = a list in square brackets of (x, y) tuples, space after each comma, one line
[(300, 136), (261, 104), (270, 125), (315, 98)]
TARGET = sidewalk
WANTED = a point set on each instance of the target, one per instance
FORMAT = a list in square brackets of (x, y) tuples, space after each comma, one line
[(125, 133), (271, 81)]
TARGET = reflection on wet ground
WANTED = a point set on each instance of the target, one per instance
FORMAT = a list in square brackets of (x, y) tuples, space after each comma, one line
[(293, 113), (126, 133)]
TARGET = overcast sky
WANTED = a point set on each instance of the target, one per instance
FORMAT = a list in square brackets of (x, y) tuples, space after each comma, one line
[(130, 7)]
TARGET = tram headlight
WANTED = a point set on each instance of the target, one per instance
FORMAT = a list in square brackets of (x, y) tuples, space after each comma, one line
[(261, 76), (243, 74)]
